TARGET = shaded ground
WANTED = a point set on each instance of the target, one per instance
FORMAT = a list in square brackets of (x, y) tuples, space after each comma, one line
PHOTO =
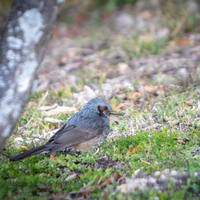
[(146, 71)]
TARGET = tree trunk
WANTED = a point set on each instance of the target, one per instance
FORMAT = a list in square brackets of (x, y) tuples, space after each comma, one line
[(24, 40)]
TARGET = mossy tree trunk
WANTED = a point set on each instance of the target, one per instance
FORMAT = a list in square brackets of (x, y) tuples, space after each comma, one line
[(24, 40)]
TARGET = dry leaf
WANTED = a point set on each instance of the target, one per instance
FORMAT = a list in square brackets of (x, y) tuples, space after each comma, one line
[(86, 192), (135, 95), (63, 60), (22, 149), (150, 89), (54, 32), (80, 18), (52, 157), (122, 91), (126, 104), (72, 66), (53, 128), (30, 105), (190, 102), (184, 41), (44, 85), (60, 109), (122, 96), (146, 14), (109, 180), (182, 141), (160, 90), (146, 38), (72, 176), (123, 188), (134, 150)]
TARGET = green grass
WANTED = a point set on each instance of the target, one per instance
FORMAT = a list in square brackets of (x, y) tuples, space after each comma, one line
[(135, 48), (34, 174), (40, 177)]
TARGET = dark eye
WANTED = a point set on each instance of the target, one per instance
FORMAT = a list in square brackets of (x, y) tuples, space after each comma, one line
[(105, 107)]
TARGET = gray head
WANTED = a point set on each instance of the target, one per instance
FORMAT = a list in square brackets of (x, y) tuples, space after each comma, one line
[(98, 106)]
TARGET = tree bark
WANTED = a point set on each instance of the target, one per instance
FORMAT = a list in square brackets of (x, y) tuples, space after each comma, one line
[(24, 40)]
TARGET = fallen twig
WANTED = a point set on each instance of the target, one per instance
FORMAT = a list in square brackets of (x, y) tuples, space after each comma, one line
[(5, 154), (40, 103), (144, 161)]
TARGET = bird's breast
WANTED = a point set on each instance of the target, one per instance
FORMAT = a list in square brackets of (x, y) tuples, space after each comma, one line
[(90, 144)]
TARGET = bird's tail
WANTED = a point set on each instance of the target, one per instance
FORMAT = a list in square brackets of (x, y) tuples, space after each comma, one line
[(29, 153)]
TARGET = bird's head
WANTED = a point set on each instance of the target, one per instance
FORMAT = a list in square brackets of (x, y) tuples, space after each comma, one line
[(101, 107)]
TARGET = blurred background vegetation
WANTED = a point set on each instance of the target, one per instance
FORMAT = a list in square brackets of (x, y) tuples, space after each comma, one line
[(93, 13)]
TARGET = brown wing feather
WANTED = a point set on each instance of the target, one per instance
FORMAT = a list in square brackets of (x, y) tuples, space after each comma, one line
[(73, 136), (60, 131)]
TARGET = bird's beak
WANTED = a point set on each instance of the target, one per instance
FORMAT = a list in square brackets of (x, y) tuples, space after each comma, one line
[(116, 113)]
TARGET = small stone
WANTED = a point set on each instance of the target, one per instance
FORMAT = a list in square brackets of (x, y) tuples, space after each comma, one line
[(166, 171), (152, 181), (192, 6), (122, 68), (176, 122), (196, 173), (163, 177), (180, 114), (163, 33), (18, 140), (107, 89), (79, 98), (122, 188), (174, 173), (136, 172), (140, 183), (89, 93), (156, 125), (183, 71), (124, 21), (128, 85), (157, 173), (85, 96)]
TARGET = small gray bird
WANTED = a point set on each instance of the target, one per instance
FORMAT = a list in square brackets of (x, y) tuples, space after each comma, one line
[(86, 130)]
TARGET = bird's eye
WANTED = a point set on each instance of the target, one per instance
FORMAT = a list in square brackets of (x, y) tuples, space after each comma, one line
[(105, 107)]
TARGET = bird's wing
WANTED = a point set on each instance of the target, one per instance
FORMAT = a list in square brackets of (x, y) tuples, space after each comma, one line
[(74, 135), (60, 131)]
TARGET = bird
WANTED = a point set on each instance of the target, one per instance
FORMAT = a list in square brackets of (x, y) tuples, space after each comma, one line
[(85, 130)]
